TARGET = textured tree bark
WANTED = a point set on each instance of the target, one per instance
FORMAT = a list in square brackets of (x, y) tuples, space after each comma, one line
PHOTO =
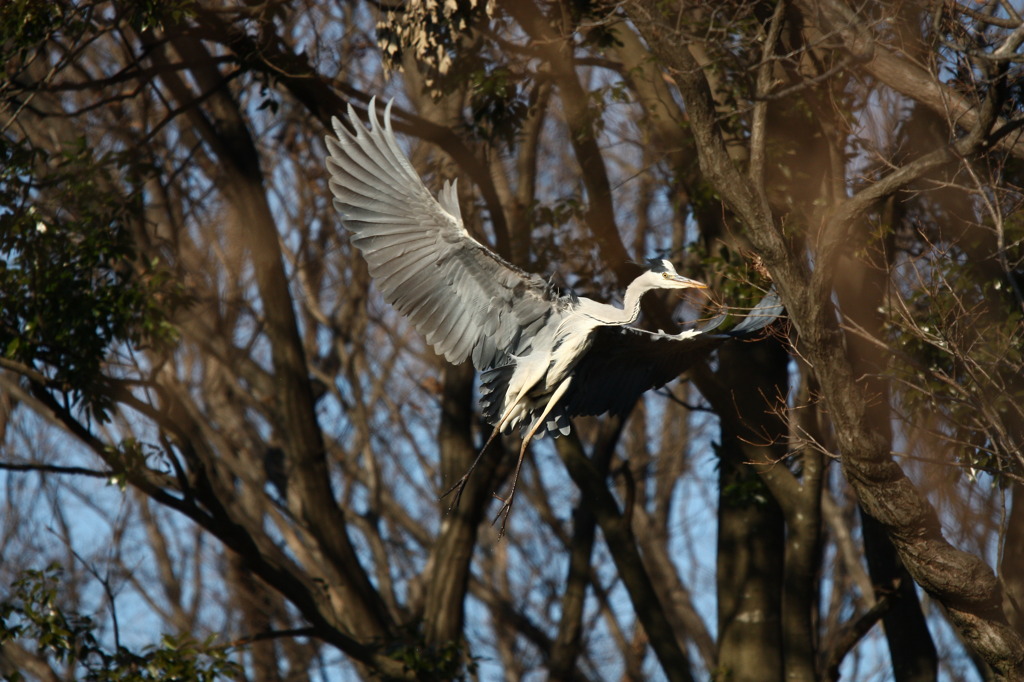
[(751, 531), (601, 214), (647, 602), (963, 583), (798, 498), (834, 19), (447, 573), (354, 606), (748, 575), (309, 488), (568, 644), (567, 647), (256, 608), (1012, 568), (911, 648), (861, 293)]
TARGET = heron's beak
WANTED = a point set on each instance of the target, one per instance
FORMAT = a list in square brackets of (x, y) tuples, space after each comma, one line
[(686, 282)]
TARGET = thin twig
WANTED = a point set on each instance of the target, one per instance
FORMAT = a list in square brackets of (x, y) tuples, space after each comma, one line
[(757, 127), (53, 469)]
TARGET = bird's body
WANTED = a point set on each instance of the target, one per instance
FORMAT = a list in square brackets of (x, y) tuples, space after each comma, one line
[(537, 374), (544, 356)]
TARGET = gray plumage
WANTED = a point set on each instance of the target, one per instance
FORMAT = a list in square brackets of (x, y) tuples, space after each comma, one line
[(464, 299), (544, 357)]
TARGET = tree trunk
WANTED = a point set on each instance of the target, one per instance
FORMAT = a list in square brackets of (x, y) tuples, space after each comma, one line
[(1012, 568), (751, 532)]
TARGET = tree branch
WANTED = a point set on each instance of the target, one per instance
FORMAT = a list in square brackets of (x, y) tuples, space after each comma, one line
[(961, 581), (618, 536), (899, 73), (853, 632)]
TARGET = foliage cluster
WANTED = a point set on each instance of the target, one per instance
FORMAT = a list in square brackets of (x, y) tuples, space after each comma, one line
[(32, 614), (74, 284)]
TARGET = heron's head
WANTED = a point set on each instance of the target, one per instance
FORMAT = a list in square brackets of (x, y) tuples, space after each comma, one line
[(664, 276)]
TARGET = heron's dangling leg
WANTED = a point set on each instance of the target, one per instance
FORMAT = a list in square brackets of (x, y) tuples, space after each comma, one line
[(460, 484), (556, 395)]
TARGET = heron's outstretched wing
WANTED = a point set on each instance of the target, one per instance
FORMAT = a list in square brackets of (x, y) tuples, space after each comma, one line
[(624, 362), (461, 296)]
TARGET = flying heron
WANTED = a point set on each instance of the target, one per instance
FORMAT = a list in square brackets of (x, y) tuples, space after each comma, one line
[(544, 357)]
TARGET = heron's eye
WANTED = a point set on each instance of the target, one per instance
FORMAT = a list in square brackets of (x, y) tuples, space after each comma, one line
[(665, 275)]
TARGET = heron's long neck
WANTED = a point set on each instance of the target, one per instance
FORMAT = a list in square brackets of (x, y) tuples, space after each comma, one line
[(603, 313), (631, 300)]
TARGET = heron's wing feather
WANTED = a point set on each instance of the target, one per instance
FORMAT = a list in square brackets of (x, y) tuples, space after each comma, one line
[(764, 313), (464, 299), (624, 362)]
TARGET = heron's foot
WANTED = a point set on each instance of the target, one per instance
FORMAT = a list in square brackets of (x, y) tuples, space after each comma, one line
[(503, 513), (459, 486)]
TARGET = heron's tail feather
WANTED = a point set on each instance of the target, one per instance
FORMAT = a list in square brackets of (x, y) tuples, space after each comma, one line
[(556, 424), (494, 385)]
